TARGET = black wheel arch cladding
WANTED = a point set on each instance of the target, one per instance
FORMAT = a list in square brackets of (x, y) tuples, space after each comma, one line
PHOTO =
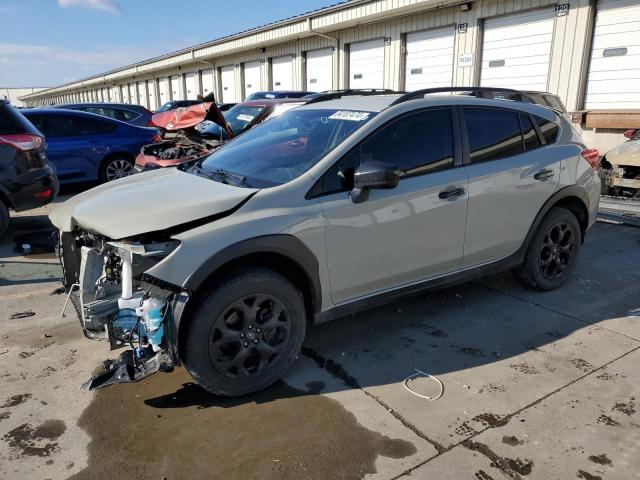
[(281, 252), (574, 198)]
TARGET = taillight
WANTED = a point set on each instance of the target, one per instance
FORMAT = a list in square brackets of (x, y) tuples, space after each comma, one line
[(591, 155), (22, 142), (156, 138), (150, 123), (43, 195)]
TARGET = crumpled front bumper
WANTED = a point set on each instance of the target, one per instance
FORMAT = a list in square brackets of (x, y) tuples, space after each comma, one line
[(106, 313)]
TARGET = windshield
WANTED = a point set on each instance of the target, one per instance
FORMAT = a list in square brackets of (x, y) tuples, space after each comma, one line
[(260, 96), (166, 107), (277, 151), (241, 116)]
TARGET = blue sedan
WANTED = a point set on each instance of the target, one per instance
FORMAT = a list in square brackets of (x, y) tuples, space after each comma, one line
[(88, 147)]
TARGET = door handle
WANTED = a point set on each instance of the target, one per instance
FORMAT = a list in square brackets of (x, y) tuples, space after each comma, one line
[(452, 193), (543, 175)]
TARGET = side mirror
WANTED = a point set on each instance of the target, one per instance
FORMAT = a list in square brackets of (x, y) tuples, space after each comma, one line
[(370, 175), (630, 133)]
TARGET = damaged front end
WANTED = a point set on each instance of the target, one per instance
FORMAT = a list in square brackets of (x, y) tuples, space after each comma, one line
[(117, 302), (174, 152)]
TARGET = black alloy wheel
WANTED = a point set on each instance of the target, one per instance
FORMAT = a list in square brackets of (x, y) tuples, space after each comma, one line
[(243, 332), (552, 252), (556, 250), (249, 335)]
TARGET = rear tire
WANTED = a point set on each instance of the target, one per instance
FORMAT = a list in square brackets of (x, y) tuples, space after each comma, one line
[(4, 219), (553, 251), (245, 333), (115, 167)]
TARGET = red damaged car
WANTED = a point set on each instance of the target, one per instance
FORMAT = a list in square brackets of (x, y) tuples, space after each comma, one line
[(203, 130), (187, 144)]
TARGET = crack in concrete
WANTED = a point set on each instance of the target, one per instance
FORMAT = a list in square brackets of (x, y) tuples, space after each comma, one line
[(337, 371), (553, 310), (508, 417)]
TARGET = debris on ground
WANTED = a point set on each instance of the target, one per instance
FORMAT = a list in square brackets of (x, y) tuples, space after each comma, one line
[(420, 373), (19, 315)]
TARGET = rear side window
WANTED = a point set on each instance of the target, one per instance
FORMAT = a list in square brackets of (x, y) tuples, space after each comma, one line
[(531, 140), (115, 113), (493, 134), (549, 130), (127, 115), (58, 126), (417, 143), (96, 126), (67, 126)]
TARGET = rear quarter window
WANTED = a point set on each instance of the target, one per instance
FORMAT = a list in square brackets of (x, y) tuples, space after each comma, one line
[(554, 102), (549, 130), (128, 115), (13, 122)]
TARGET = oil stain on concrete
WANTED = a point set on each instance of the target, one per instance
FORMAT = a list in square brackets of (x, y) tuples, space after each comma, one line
[(16, 400), (167, 427), (29, 441)]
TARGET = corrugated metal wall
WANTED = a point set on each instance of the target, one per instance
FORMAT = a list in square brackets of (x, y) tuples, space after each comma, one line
[(388, 19)]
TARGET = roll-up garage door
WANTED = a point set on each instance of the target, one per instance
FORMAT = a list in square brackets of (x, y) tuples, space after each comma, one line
[(429, 59), (516, 50), (366, 64), (207, 82), (133, 96), (151, 92), (190, 82), (228, 81), (251, 78), (282, 71), (163, 87), (176, 93), (114, 97), (124, 91), (320, 70), (142, 94), (614, 69)]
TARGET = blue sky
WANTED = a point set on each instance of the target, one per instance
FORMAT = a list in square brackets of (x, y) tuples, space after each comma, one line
[(48, 42)]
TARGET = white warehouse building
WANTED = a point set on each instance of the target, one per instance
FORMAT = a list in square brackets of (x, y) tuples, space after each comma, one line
[(585, 51)]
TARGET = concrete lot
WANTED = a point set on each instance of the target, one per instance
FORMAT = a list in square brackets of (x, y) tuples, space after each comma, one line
[(536, 386)]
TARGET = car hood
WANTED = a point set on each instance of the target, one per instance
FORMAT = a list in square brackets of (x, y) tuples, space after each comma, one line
[(626, 154), (147, 202), (182, 117)]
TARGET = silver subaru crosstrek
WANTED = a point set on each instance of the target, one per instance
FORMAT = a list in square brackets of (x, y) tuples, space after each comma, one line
[(328, 209)]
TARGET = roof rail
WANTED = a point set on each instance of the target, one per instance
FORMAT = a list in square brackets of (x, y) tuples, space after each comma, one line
[(479, 92), (334, 94)]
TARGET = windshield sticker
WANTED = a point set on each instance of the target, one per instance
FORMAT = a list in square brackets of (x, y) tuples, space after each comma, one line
[(350, 116), (245, 118)]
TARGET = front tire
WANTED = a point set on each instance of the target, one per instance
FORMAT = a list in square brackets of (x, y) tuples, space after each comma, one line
[(114, 168), (245, 333), (553, 251)]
